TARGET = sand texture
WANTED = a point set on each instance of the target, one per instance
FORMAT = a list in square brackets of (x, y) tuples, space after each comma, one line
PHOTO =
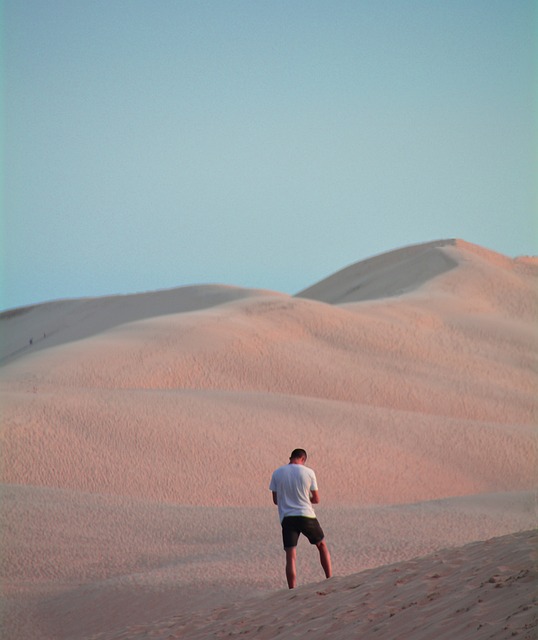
[(139, 434), (482, 590)]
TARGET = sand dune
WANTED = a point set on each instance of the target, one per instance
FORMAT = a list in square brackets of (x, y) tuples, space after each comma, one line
[(139, 435), (386, 275), (29, 329), (482, 590)]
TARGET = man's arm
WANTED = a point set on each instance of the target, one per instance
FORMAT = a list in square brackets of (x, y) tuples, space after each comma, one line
[(275, 499), (314, 497)]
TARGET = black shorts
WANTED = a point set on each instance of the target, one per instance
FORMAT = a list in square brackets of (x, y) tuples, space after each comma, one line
[(293, 526)]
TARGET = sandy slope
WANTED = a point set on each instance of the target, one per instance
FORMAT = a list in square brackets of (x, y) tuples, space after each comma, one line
[(139, 434), (29, 329), (482, 590), (385, 275)]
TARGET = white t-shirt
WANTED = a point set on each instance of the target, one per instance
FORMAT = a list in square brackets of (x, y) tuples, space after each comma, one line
[(293, 484)]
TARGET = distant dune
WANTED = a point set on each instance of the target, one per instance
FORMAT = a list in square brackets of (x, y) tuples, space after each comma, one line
[(388, 274), (28, 329), (139, 434)]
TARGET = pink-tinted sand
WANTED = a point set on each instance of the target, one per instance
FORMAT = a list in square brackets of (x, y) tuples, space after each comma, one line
[(139, 434)]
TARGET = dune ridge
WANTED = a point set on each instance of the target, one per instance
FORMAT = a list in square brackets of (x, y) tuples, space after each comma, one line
[(384, 275), (138, 436), (29, 329)]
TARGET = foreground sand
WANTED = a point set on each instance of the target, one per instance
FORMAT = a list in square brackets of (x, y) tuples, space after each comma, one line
[(137, 454), (481, 590)]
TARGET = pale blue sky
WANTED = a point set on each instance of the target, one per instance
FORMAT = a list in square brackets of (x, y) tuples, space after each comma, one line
[(150, 144)]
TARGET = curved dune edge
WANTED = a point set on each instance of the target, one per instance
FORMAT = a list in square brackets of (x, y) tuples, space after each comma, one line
[(481, 590), (405, 270), (385, 275), (43, 326)]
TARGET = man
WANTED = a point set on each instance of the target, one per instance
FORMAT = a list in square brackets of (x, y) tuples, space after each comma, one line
[(295, 490)]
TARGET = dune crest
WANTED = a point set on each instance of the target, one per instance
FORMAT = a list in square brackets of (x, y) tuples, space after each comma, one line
[(29, 329), (384, 275)]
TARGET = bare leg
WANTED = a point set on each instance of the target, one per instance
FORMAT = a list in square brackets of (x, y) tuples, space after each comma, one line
[(325, 558), (291, 575)]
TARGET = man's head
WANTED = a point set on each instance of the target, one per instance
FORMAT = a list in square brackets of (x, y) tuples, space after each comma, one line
[(298, 456)]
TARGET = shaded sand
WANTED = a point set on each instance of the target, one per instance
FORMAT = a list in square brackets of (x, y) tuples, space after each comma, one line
[(29, 329), (388, 274), (136, 455)]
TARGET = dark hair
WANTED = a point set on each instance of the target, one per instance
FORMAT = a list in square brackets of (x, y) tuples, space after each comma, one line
[(298, 453)]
